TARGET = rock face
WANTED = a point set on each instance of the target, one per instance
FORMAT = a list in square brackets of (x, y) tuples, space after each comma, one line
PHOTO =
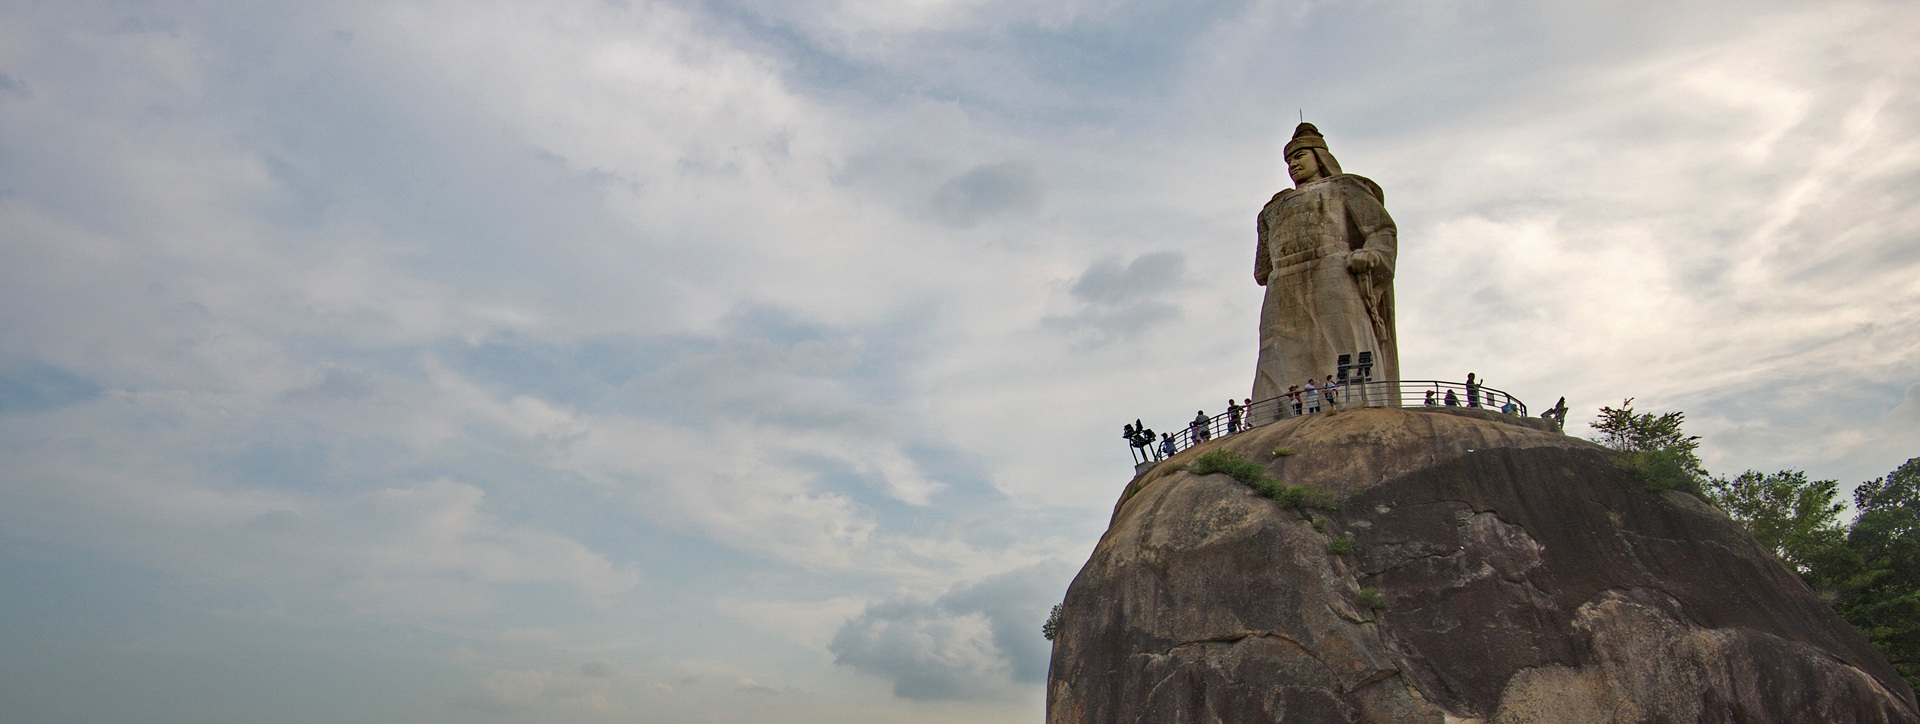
[(1523, 579)]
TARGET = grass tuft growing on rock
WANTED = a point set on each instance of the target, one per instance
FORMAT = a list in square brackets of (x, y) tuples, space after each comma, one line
[(1281, 452), (1340, 545), (1293, 497), (1229, 463), (1371, 598), (1301, 497)]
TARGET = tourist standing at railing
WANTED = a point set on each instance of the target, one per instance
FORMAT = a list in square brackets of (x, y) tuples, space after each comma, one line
[(1293, 399), (1233, 416), (1453, 400), (1430, 401), (1311, 393), (1246, 413), (1327, 394), (1201, 423), (1167, 446), (1558, 414), (1473, 392)]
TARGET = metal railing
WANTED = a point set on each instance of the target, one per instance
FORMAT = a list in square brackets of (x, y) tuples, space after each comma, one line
[(1341, 396)]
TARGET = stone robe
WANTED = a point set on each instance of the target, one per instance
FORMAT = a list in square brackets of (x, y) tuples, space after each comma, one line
[(1315, 309)]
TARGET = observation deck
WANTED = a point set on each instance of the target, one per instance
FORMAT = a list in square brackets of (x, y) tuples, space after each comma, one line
[(1149, 447)]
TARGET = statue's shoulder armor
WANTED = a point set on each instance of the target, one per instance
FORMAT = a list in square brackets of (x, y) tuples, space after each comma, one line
[(1363, 183), (1276, 199)]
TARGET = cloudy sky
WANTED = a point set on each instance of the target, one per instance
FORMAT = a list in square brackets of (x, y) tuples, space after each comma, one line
[(747, 361)]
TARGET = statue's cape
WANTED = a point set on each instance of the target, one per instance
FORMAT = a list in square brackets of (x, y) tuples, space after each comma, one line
[(1359, 182)]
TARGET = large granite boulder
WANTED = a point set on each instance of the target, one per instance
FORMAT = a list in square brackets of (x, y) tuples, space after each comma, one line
[(1499, 572)]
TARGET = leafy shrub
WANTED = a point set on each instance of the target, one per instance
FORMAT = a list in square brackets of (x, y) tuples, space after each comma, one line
[(1340, 545), (1051, 628), (1371, 598), (1661, 470), (1652, 448)]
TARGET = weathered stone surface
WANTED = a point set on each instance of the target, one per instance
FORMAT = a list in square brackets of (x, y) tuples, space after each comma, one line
[(1528, 581)]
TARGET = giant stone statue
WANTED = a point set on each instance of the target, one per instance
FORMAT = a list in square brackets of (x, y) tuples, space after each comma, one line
[(1326, 256)]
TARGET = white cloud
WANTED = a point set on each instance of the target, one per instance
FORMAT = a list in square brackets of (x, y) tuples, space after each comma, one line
[(1714, 235), (1121, 302), (427, 549), (547, 691), (809, 624), (974, 641)]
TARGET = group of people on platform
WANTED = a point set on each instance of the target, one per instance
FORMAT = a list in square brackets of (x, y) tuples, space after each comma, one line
[(1201, 429), (1474, 398), (1310, 398), (1303, 399)]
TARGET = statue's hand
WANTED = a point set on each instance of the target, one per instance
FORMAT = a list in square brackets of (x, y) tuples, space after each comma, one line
[(1368, 261), (1360, 262)]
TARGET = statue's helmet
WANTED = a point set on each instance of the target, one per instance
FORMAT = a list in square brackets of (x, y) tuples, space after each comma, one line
[(1306, 136)]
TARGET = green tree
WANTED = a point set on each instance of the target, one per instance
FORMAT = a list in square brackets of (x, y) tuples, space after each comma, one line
[(1652, 448), (1797, 518), (1879, 578)]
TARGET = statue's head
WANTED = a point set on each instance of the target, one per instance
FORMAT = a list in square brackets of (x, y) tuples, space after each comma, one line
[(1308, 157)]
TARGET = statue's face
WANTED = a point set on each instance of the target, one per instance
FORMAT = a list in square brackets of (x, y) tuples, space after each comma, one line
[(1303, 166)]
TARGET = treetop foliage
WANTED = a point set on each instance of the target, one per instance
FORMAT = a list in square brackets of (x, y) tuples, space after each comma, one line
[(1899, 489), (1785, 511), (1625, 431)]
